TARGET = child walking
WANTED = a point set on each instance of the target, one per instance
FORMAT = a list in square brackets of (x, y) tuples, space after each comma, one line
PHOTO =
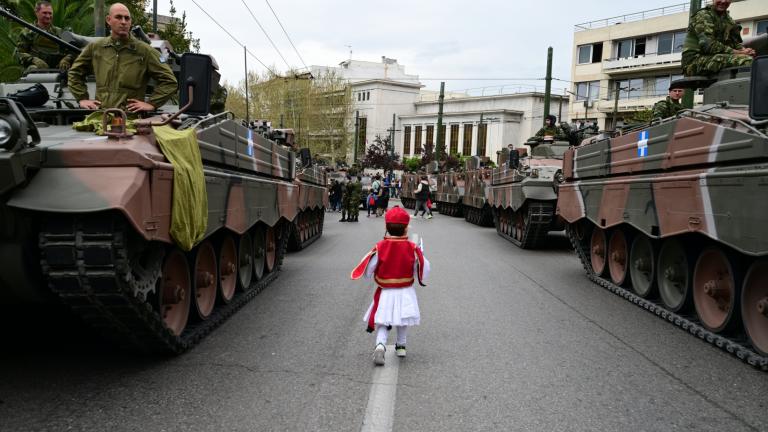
[(396, 265)]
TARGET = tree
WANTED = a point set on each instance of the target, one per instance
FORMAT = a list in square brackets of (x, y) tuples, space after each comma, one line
[(316, 108), (428, 155), (380, 155), (412, 164), (177, 35)]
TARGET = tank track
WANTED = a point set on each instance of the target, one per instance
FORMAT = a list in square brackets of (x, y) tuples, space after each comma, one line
[(87, 264), (482, 217), (738, 348), (539, 222), (294, 242), (450, 209)]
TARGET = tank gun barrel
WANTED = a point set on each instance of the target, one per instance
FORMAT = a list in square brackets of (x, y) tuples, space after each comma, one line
[(62, 43)]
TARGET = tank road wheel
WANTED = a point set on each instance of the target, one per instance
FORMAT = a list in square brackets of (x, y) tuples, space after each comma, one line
[(754, 305), (259, 252), (270, 249), (642, 266), (519, 225), (598, 247), (204, 280), (175, 292), (508, 218), (715, 291), (245, 261), (228, 268), (674, 275), (618, 256)]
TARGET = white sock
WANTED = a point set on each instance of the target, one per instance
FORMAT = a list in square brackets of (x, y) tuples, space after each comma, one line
[(381, 334), (402, 331)]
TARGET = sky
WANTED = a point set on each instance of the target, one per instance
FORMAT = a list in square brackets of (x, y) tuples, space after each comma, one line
[(480, 46)]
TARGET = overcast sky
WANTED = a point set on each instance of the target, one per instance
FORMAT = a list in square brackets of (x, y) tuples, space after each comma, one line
[(468, 44)]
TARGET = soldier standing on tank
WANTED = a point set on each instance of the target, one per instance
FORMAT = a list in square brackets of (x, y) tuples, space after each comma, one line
[(35, 51), (670, 106), (713, 42), (550, 129), (123, 66)]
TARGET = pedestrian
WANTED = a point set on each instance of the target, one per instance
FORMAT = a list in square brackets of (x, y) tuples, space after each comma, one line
[(396, 266), (332, 196), (399, 191), (422, 196), (34, 51), (123, 66), (382, 201), (338, 191), (370, 203)]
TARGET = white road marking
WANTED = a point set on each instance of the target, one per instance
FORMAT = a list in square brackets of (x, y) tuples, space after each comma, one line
[(380, 412)]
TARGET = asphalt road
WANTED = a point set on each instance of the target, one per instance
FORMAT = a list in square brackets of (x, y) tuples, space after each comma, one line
[(509, 340)]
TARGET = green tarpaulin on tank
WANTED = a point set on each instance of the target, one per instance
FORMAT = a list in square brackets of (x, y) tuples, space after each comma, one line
[(189, 214)]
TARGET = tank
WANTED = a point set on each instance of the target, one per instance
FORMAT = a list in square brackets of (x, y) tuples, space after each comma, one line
[(523, 192), (672, 216), (311, 180), (477, 182), (408, 183), (449, 193), (87, 220)]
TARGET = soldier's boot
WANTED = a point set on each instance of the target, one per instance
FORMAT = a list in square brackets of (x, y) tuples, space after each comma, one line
[(343, 216)]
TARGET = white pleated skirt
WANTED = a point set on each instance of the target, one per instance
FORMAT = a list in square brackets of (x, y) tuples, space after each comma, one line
[(397, 307)]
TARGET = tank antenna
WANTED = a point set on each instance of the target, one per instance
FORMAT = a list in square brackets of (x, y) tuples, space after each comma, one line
[(247, 111)]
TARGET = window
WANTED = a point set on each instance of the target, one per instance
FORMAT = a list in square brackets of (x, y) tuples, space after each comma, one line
[(430, 136), (454, 139), (367, 95), (417, 144), (762, 27), (482, 134), (592, 53), (359, 97), (671, 42), (362, 126), (632, 88), (587, 90), (467, 147), (441, 138), (630, 48), (407, 141)]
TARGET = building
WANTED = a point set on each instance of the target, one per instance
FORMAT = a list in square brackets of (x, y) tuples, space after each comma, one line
[(635, 57), (379, 91), (475, 125)]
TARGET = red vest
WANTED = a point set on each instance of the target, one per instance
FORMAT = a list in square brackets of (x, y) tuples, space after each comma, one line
[(395, 267)]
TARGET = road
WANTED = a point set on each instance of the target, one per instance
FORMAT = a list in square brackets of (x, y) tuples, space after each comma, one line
[(509, 340)]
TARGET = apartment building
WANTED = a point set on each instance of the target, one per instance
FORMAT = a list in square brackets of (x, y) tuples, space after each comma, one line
[(635, 57)]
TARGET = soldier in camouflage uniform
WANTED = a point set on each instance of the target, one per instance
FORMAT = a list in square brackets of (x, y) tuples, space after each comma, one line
[(354, 200), (713, 42), (550, 129), (348, 189), (37, 52), (123, 66), (669, 106)]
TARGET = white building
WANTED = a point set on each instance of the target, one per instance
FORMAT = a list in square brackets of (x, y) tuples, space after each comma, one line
[(639, 54), (476, 125)]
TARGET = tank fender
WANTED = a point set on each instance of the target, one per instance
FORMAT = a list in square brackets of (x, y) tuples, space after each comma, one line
[(94, 189)]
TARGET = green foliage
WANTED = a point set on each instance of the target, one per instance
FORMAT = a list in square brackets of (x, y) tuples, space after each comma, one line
[(177, 34), (412, 164), (380, 155)]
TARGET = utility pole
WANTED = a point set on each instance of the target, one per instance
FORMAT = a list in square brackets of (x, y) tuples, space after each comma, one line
[(98, 17), (616, 107), (440, 147), (687, 101), (247, 111), (392, 138), (548, 85), (154, 16), (357, 132), (479, 127), (560, 109)]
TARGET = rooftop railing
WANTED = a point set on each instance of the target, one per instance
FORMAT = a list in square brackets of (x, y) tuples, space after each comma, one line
[(637, 16)]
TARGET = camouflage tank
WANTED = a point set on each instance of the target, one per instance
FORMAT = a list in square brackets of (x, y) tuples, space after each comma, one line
[(90, 221), (449, 194), (408, 183), (477, 184), (523, 192), (672, 216)]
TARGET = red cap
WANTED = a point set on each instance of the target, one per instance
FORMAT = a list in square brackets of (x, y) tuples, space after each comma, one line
[(397, 215)]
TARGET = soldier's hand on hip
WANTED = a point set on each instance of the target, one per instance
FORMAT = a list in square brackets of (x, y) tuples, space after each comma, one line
[(90, 104), (39, 63), (135, 105)]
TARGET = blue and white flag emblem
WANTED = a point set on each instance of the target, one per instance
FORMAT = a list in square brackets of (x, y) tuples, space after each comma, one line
[(250, 143), (642, 144)]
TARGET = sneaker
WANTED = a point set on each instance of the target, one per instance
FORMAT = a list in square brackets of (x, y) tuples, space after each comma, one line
[(429, 216), (400, 350), (378, 355)]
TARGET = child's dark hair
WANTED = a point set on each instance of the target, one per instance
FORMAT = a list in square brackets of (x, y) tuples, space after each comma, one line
[(396, 229)]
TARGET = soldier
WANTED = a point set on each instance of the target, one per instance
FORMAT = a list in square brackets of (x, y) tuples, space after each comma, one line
[(123, 66), (38, 52), (714, 42), (354, 200), (550, 129), (669, 106)]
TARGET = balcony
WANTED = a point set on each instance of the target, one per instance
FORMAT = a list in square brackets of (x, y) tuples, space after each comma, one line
[(642, 63)]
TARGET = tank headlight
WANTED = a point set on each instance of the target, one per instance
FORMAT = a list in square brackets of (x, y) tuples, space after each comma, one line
[(6, 132)]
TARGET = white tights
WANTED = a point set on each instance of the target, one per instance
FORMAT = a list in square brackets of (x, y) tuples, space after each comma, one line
[(382, 332)]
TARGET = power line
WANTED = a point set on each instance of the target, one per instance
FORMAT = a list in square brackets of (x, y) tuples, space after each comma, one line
[(233, 38), (265, 34), (286, 34)]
